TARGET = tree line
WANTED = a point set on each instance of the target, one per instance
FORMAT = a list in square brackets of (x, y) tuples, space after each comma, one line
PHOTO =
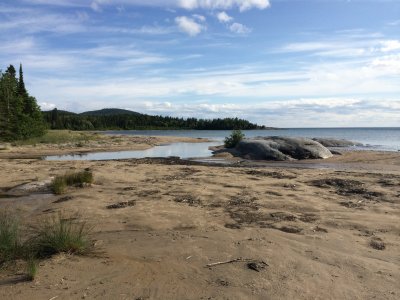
[(20, 116), (135, 121)]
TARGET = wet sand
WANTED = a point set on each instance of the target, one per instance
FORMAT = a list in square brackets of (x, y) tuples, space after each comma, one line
[(311, 230)]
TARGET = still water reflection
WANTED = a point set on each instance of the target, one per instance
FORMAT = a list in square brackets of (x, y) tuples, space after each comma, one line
[(182, 150)]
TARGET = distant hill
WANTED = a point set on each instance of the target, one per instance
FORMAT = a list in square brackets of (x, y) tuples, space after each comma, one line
[(63, 112), (109, 112)]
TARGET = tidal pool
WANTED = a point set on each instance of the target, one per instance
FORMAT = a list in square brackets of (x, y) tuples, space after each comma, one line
[(182, 150)]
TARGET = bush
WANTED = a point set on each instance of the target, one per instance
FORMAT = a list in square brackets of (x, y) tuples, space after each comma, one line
[(232, 140), (60, 234), (60, 183)]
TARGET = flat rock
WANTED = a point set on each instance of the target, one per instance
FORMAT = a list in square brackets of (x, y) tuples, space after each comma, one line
[(32, 187)]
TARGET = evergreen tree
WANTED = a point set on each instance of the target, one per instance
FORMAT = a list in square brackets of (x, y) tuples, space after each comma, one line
[(21, 84), (20, 116), (54, 118)]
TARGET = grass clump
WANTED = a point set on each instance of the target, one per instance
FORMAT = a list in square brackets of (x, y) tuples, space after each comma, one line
[(61, 235), (10, 242), (232, 140), (60, 183), (31, 269), (57, 234)]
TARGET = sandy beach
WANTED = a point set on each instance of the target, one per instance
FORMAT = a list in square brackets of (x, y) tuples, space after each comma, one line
[(298, 230)]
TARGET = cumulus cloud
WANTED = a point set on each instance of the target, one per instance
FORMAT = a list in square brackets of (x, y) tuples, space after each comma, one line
[(239, 28), (223, 17), (189, 25)]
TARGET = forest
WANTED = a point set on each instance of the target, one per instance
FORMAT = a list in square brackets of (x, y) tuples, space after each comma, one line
[(119, 119)]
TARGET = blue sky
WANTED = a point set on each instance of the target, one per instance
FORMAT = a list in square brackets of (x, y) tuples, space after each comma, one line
[(285, 63)]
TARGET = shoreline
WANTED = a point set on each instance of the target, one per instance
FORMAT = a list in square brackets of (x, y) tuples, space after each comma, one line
[(311, 229)]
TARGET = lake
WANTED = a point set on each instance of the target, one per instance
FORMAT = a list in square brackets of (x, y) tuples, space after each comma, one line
[(376, 139), (382, 139)]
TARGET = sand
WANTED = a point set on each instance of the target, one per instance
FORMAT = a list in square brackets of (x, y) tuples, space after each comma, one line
[(308, 226)]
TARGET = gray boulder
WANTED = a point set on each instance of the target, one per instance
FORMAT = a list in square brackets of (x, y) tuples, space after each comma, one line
[(281, 148), (336, 142)]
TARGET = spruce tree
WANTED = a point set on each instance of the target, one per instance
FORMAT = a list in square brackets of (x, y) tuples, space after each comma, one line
[(20, 116), (21, 84)]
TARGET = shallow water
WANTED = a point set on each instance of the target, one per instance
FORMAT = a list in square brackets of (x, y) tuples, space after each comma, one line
[(182, 150)]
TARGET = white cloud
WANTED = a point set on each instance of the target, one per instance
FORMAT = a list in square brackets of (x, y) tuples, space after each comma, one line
[(390, 45), (239, 28), (37, 21), (96, 6), (344, 46), (223, 17), (47, 106), (243, 5), (189, 25)]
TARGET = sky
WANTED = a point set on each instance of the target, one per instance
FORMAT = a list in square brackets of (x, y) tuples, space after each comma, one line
[(282, 63)]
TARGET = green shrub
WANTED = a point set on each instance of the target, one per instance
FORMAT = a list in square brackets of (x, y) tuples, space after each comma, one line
[(60, 183), (60, 234), (10, 243), (232, 140)]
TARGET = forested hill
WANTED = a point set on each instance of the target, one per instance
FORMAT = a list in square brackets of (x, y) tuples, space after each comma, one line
[(109, 112), (114, 119)]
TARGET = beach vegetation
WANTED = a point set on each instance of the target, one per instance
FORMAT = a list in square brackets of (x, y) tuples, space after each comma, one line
[(31, 268), (60, 137), (52, 235), (10, 242), (61, 234), (60, 183), (232, 140)]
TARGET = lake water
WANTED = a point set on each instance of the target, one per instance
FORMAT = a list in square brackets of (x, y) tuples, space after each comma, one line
[(386, 139), (378, 139)]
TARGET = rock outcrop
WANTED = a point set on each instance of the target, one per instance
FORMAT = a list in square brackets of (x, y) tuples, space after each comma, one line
[(336, 142), (280, 148)]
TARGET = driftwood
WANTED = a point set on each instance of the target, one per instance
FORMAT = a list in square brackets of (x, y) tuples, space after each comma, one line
[(240, 259)]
